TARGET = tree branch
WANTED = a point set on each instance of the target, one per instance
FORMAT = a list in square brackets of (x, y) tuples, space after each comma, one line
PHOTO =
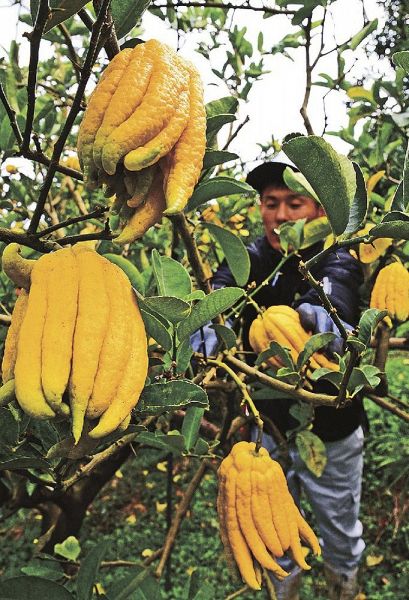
[(308, 72), (34, 38), (59, 145), (290, 390), (223, 6), (180, 513), (95, 213)]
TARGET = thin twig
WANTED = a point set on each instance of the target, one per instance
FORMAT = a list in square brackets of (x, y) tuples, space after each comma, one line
[(398, 412), (95, 213), (179, 514), (71, 50), (11, 115), (308, 72), (59, 145), (223, 6), (34, 37), (281, 386)]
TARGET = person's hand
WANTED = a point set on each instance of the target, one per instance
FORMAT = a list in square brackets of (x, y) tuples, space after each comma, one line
[(316, 320)]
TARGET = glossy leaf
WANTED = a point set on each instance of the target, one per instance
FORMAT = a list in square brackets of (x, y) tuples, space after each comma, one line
[(359, 206), (275, 349), (367, 323), (22, 588), (156, 329), (225, 105), (312, 451), (331, 175), (191, 425), (298, 183), (315, 343), (405, 179), (171, 308), (397, 201), (166, 396), (315, 231), (212, 158), (24, 462), (183, 355), (139, 584), (235, 252), (70, 548), (214, 124), (170, 442), (398, 230), (359, 37), (61, 11), (88, 571), (207, 309), (215, 188), (401, 59), (171, 277), (226, 334), (126, 14)]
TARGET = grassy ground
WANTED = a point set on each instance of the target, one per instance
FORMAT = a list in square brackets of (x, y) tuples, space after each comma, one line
[(130, 514)]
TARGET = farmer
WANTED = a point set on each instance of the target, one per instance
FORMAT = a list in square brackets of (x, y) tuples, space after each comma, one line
[(335, 496)]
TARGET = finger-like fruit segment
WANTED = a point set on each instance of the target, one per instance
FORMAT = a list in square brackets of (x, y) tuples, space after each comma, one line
[(187, 155), (61, 314), (282, 324), (10, 346), (127, 96), (133, 377), (29, 391), (17, 268), (115, 348), (90, 328), (146, 215), (97, 106), (157, 107)]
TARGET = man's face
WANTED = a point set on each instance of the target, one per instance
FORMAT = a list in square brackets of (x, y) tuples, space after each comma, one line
[(280, 204)]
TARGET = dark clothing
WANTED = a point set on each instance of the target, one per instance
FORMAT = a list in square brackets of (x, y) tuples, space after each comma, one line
[(341, 276)]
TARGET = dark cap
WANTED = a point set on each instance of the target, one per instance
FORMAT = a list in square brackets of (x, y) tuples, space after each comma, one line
[(270, 173)]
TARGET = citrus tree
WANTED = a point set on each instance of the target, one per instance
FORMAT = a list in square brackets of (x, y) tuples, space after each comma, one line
[(52, 200)]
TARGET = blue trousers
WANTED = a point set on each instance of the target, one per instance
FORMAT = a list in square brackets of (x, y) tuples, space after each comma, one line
[(334, 498)]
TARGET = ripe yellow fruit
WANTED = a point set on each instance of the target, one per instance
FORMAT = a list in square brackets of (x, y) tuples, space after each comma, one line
[(258, 517), (156, 109), (282, 324), (391, 291)]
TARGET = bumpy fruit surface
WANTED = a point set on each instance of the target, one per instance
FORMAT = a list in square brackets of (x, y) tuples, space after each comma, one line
[(391, 291), (77, 343), (258, 517), (147, 108), (282, 324)]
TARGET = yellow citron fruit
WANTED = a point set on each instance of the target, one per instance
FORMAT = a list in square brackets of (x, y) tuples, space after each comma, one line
[(156, 109), (258, 517), (77, 335), (368, 253), (391, 291), (148, 108), (282, 324)]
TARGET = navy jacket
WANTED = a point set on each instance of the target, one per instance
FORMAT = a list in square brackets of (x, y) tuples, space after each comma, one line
[(341, 276)]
